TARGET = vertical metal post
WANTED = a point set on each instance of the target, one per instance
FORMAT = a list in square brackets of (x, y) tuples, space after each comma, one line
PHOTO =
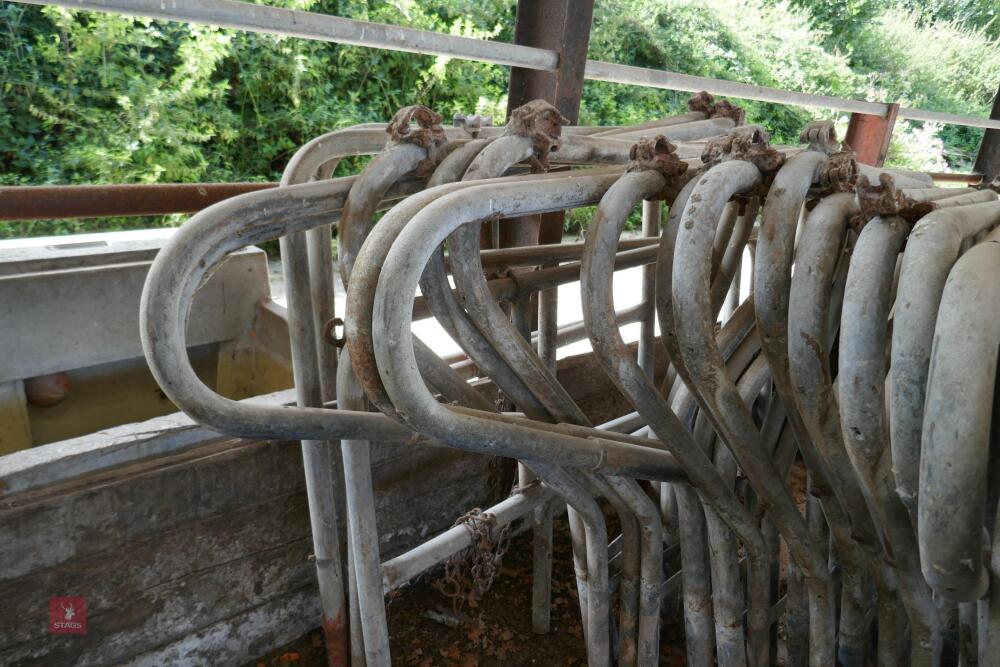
[(651, 212), (564, 27), (988, 159), (319, 459), (870, 135)]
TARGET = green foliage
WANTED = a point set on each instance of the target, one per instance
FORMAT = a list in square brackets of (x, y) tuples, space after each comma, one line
[(984, 14), (943, 67), (840, 19), (99, 98)]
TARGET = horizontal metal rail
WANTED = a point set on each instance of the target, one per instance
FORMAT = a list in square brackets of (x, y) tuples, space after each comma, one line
[(22, 203), (954, 177), (651, 78), (52, 202), (323, 27)]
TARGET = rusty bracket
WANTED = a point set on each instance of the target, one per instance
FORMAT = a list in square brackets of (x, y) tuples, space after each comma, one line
[(472, 123), (840, 173), (416, 124), (886, 199), (658, 154), (542, 123), (821, 136), (705, 103), (749, 143)]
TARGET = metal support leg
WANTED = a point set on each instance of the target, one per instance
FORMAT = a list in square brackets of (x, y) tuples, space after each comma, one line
[(318, 457)]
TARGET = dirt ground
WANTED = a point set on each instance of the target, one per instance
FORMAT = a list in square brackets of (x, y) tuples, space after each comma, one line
[(426, 631)]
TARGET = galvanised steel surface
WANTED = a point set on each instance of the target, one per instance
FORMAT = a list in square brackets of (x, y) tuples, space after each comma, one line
[(865, 358)]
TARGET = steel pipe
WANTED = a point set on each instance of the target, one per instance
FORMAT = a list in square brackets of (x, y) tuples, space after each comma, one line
[(861, 381), (704, 370), (932, 248), (956, 427), (626, 373)]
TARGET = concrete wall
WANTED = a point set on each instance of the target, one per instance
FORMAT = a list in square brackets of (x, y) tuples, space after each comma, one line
[(202, 556), (76, 311)]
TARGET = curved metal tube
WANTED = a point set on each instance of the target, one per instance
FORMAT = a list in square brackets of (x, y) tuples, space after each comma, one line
[(308, 262), (170, 286), (458, 159), (359, 324), (956, 429), (500, 334), (651, 568), (435, 286), (570, 486), (832, 479), (705, 370), (931, 250), (477, 299), (360, 293), (380, 174), (382, 227), (684, 404), (480, 302), (862, 361), (178, 270), (396, 362), (624, 371), (312, 161), (308, 269), (812, 307), (355, 222), (417, 242)]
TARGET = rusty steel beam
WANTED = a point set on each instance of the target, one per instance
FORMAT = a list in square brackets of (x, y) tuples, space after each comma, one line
[(52, 202), (869, 135), (954, 177), (988, 158), (562, 26)]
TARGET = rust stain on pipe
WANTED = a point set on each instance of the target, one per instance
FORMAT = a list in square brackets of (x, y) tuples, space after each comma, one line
[(335, 635)]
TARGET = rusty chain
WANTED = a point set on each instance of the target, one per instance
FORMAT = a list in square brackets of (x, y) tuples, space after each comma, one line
[(469, 574)]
